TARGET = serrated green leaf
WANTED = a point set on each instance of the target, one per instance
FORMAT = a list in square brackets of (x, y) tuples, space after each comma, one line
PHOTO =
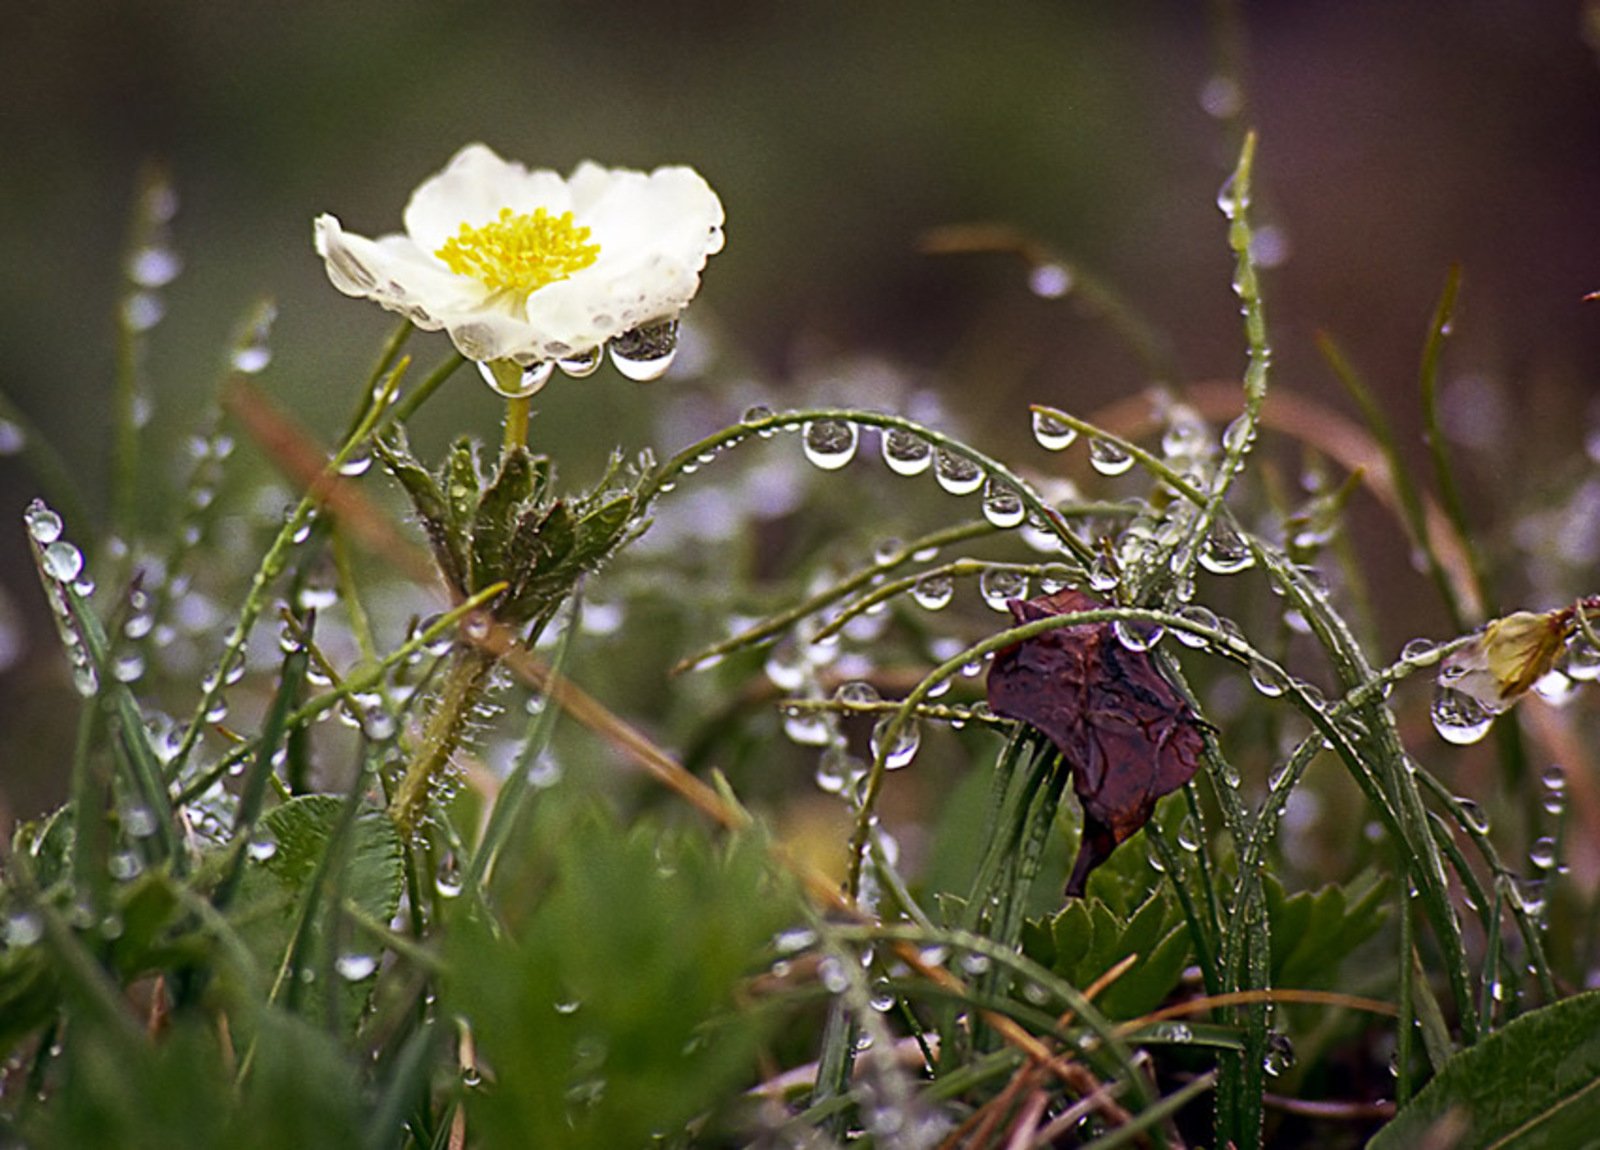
[(1533, 1085), (1088, 938), (540, 550), (1072, 931), (599, 531), (272, 892), (634, 947), (495, 520), (446, 540), (1313, 931)]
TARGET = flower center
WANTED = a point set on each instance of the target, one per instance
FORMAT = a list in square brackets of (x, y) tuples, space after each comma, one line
[(520, 253)]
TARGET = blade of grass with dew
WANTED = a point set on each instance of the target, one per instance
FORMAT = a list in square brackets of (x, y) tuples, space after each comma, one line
[(665, 476), (152, 210), (273, 563), (783, 620), (1380, 747), (132, 736), (253, 790), (514, 792)]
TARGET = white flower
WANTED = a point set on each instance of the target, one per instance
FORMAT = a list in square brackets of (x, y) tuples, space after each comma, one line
[(525, 267)]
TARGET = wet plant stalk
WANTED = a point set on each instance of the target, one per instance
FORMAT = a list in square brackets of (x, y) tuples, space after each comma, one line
[(464, 687)]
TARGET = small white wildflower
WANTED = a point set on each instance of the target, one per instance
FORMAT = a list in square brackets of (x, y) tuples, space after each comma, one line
[(527, 267)]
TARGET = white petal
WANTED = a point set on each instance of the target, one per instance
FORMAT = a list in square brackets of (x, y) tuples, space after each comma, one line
[(472, 190)]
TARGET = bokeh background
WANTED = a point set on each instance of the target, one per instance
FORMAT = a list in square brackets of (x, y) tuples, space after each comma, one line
[(1397, 137)]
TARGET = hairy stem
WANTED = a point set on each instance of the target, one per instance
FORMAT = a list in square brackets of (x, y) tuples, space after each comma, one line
[(464, 687)]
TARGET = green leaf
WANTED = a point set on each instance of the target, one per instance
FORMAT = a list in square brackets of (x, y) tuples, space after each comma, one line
[(273, 891), (177, 1094), (447, 541), (495, 519), (460, 480), (1534, 1085), (1090, 937), (609, 1013), (600, 529), (1314, 931)]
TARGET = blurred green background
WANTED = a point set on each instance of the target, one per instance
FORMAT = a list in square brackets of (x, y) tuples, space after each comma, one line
[(1396, 137)]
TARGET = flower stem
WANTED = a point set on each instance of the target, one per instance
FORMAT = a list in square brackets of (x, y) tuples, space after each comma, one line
[(464, 687), (517, 417)]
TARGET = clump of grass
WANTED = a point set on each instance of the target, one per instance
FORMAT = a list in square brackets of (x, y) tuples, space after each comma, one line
[(279, 909)]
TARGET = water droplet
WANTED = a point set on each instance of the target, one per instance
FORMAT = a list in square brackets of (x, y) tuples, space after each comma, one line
[(1543, 853), (358, 464), (1225, 552), (447, 877), (1267, 678), (1200, 617), (1108, 458), (883, 998), (760, 413), (1554, 778), (1229, 202), (142, 310), (646, 352), (829, 443), (1002, 505), (154, 266), (933, 592), (905, 744), (1137, 634), (856, 691), (353, 966), (1220, 97), (43, 524), (785, 667), (128, 667), (251, 359), (262, 845), (998, 584), (580, 365), (974, 963), (956, 473), (1103, 574), (1476, 817), (62, 561), (906, 452), (378, 724), (12, 438), (1458, 717), (22, 929), (1055, 577), (831, 973), (1280, 1055), (1049, 280), (1528, 895), (1237, 436), (808, 728), (1583, 660), (835, 770), (1051, 433), (1416, 650)]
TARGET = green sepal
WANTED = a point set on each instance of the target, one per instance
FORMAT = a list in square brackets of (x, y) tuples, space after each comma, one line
[(460, 480), (494, 521), (448, 544)]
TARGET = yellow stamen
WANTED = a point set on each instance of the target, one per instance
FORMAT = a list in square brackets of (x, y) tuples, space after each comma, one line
[(520, 253)]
